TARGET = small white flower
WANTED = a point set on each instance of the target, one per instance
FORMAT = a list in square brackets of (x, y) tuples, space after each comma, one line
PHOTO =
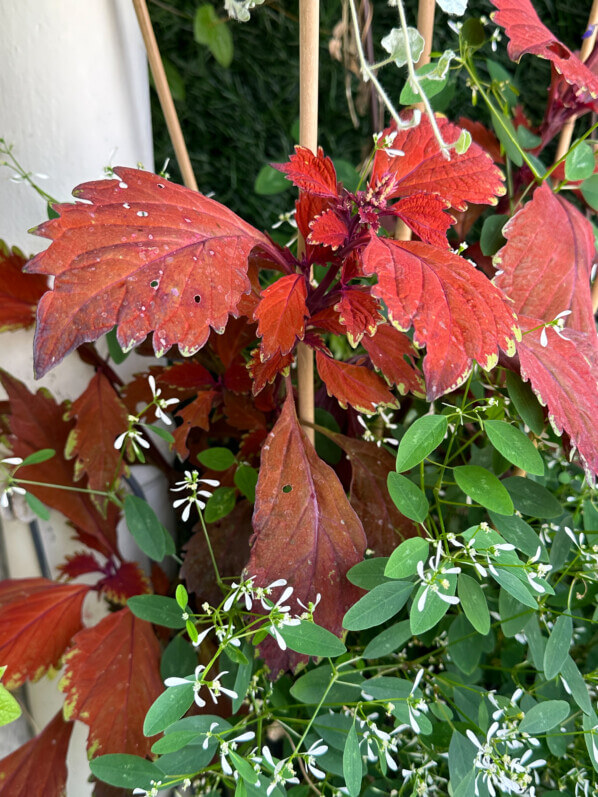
[(316, 749), (132, 434), (160, 403), (197, 684), (153, 790), (12, 461)]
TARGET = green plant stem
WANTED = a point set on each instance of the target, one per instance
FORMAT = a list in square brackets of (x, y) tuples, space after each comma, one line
[(211, 551)]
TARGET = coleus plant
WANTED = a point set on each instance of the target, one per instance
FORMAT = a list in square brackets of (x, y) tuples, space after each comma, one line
[(141, 255)]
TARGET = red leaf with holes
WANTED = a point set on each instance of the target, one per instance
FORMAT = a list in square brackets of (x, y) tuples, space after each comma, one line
[(263, 373), (195, 414), (328, 229), (100, 417), (471, 177), (564, 376), (388, 350), (354, 384), (38, 618), (39, 766), (36, 422), (425, 215), (145, 255), (456, 312), (308, 534), (79, 564), (112, 676), (123, 583), (314, 174), (359, 312), (527, 34), (281, 315), (19, 292), (384, 526), (547, 261)]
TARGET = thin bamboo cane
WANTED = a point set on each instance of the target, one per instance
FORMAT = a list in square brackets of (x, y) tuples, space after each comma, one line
[(164, 94), (309, 43)]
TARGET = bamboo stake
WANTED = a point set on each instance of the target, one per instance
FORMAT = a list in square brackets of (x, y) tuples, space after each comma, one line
[(163, 89), (309, 43)]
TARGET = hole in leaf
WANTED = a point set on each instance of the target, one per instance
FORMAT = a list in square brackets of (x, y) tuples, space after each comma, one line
[(197, 299), (154, 284), (123, 185), (142, 213), (287, 488), (160, 185)]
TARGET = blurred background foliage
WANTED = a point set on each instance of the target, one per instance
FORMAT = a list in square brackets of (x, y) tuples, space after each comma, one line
[(239, 117)]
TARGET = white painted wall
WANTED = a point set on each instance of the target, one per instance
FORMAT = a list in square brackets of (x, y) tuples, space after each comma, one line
[(74, 98)]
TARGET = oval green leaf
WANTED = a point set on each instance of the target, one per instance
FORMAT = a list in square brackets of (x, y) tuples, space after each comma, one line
[(216, 458), (421, 438), (379, 605), (544, 716), (579, 163), (312, 640), (157, 609), (515, 446), (220, 504), (39, 456), (126, 771), (557, 647), (369, 573), (352, 767), (407, 497), (484, 488), (532, 499), (146, 529), (473, 601), (168, 708), (403, 560)]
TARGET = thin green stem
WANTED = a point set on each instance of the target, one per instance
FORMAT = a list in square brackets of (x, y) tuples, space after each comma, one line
[(211, 551)]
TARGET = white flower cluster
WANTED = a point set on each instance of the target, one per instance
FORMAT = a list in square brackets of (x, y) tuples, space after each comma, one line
[(11, 488), (434, 579), (194, 486)]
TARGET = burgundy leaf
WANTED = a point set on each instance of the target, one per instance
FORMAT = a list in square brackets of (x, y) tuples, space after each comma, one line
[(392, 353), (359, 312), (354, 384), (19, 292), (281, 315)]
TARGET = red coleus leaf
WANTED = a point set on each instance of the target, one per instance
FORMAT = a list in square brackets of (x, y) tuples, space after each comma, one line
[(281, 315), (527, 34), (546, 263), (239, 334), (484, 137), (112, 677), (425, 215), (454, 309), (236, 377), (123, 583), (195, 414), (388, 350), (359, 312), (39, 766), (328, 320), (383, 524), (37, 422), (263, 373), (354, 384), (241, 412), (305, 528), (328, 229), (314, 174), (146, 255), (471, 177), (186, 376), (19, 292), (79, 564), (564, 376), (100, 417), (38, 618)]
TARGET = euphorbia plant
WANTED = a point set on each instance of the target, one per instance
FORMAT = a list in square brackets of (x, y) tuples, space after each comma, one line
[(228, 308)]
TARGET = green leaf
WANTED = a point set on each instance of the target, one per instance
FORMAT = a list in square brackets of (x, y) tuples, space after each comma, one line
[(531, 498), (544, 716), (379, 605), (35, 505), (557, 647), (403, 560), (174, 741), (147, 531), (221, 504), (577, 685), (388, 641), (400, 46), (270, 181), (352, 767), (216, 458), (310, 688), (421, 438), (434, 608), (473, 601), (117, 355), (10, 710), (526, 403), (526, 138), (430, 87), (514, 616), (157, 609), (589, 190), (515, 587), (505, 81), (520, 534), (491, 237), (325, 448), (503, 127), (333, 729), (484, 488), (168, 708), (243, 676), (39, 456), (176, 84), (369, 573), (591, 737), (126, 771), (515, 446), (387, 688), (473, 31), (464, 645), (179, 656), (579, 163), (312, 640), (244, 768), (407, 497), (245, 481), (163, 433), (181, 596), (214, 32)]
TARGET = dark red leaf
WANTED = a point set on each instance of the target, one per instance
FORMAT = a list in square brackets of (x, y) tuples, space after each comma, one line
[(183, 376), (79, 564), (527, 34), (425, 215), (146, 255), (471, 177), (19, 292), (237, 377), (328, 229), (263, 373), (112, 677), (328, 320), (359, 312), (239, 334), (100, 417), (281, 315), (39, 766), (455, 310), (241, 412), (354, 384), (195, 414), (125, 582), (305, 528), (483, 137), (547, 261), (388, 349), (38, 618), (314, 174)]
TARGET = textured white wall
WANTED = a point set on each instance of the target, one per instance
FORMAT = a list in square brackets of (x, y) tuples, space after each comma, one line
[(74, 98)]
